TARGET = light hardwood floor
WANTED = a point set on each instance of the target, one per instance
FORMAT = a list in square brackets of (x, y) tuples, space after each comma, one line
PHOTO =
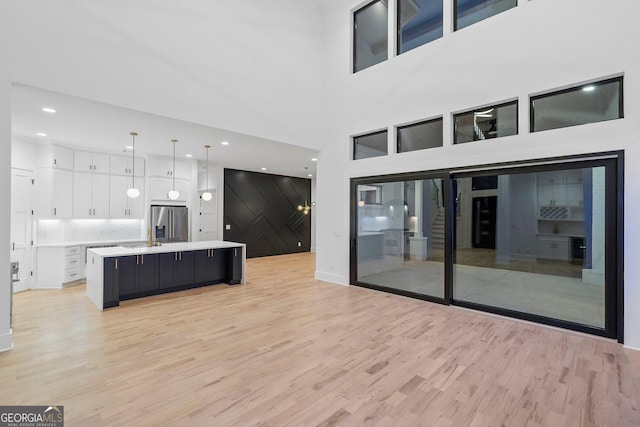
[(289, 350)]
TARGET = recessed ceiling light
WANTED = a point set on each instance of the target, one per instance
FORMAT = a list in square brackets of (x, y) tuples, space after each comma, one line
[(225, 143), (313, 159), (41, 134), (129, 147), (310, 175), (589, 88), (263, 169), (188, 155), (48, 110)]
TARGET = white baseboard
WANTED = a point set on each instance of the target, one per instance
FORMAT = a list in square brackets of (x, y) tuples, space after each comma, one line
[(6, 343), (332, 278)]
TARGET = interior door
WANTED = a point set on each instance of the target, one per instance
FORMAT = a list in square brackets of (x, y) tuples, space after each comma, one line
[(21, 226)]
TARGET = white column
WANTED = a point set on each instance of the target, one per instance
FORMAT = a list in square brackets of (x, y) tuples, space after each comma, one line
[(5, 179)]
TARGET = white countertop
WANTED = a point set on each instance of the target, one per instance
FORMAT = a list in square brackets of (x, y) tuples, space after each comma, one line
[(165, 247)]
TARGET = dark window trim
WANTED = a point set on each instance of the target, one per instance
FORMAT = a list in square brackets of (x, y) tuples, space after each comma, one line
[(614, 262), (421, 122), (399, 31), (502, 104), (353, 42), (455, 16), (353, 235), (532, 99), (355, 137)]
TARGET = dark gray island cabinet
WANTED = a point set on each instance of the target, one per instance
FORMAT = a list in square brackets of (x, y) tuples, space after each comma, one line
[(117, 274)]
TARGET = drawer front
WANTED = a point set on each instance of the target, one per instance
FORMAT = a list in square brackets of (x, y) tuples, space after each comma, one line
[(72, 274), (72, 250), (72, 261)]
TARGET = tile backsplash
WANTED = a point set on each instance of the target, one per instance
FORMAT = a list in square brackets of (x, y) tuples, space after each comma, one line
[(51, 231)]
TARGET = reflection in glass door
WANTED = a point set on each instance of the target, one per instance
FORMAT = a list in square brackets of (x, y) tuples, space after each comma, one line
[(400, 229), (549, 254)]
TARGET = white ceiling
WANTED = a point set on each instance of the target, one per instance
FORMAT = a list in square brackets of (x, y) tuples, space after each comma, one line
[(98, 126)]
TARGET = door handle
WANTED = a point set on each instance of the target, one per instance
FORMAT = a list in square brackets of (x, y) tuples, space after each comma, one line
[(13, 246), (116, 263)]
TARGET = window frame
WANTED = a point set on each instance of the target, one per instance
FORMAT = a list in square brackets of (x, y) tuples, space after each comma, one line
[(354, 29), (421, 122), (515, 102), (355, 137), (532, 98), (398, 30), (455, 16)]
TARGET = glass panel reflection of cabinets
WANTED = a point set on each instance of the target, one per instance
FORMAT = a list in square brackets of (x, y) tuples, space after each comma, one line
[(560, 188)]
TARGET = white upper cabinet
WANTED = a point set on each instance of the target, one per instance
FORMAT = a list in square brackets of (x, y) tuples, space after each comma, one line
[(54, 189), (123, 165), (163, 167), (90, 195), (160, 187), (120, 205), (86, 161), (55, 156)]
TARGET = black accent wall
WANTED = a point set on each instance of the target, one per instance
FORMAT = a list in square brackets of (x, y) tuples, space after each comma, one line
[(262, 211)]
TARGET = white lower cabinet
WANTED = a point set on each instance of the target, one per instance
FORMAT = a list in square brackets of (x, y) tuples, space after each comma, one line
[(58, 266), (553, 247), (121, 205)]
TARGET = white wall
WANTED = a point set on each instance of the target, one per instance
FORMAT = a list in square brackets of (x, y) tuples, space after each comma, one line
[(538, 46), (248, 66), (5, 181)]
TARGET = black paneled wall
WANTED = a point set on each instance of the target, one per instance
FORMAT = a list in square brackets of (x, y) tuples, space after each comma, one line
[(262, 211)]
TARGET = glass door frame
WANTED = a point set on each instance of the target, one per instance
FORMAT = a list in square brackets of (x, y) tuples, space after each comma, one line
[(353, 237), (614, 233)]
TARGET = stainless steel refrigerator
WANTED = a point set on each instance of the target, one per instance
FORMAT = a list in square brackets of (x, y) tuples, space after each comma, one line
[(169, 223)]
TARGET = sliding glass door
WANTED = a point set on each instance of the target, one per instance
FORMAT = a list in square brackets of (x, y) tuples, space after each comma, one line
[(537, 242), (534, 242), (400, 236)]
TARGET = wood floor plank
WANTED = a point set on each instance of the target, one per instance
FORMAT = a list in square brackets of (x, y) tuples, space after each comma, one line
[(287, 349)]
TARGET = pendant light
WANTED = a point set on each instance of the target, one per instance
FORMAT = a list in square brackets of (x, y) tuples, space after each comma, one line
[(174, 194), (133, 192), (206, 196)]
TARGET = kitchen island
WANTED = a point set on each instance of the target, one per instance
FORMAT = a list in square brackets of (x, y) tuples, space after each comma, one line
[(120, 273)]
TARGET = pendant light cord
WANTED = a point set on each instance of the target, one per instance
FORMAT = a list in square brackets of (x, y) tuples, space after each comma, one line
[(133, 163), (174, 164)]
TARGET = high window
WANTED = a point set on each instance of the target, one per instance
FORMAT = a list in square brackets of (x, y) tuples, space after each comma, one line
[(370, 35), (419, 136), (486, 123), (590, 103), (370, 145), (419, 22), (467, 12)]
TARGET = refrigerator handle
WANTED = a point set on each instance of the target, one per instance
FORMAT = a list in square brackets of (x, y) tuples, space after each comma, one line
[(171, 224)]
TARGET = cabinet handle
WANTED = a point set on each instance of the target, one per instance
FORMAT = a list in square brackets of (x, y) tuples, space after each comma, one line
[(89, 211), (176, 256), (116, 263), (94, 212), (54, 212), (142, 259), (55, 161), (180, 256), (137, 259)]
